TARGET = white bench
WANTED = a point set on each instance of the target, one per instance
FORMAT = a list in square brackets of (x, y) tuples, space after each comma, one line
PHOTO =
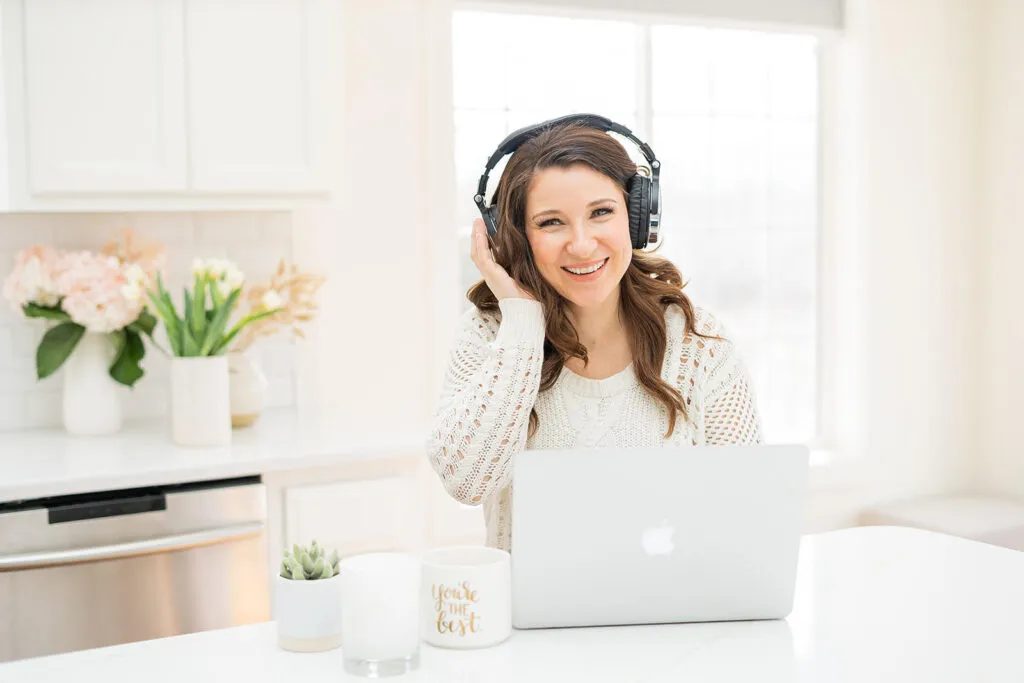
[(994, 520)]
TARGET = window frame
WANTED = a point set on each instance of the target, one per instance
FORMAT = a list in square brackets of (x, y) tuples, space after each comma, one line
[(824, 446)]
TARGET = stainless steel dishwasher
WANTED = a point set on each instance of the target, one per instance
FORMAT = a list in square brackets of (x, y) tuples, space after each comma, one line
[(112, 567)]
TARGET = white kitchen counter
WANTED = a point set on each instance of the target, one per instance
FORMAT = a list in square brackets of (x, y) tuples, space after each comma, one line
[(49, 462), (879, 604)]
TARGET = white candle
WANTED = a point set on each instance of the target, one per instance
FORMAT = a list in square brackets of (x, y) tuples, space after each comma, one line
[(380, 607)]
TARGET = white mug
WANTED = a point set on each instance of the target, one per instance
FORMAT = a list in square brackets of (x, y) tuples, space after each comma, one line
[(466, 597)]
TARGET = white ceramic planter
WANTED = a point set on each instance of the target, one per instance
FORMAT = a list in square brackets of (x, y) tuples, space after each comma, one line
[(91, 401), (200, 402), (308, 614), (248, 388)]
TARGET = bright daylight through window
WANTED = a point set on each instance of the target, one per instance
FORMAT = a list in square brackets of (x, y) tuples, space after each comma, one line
[(732, 115)]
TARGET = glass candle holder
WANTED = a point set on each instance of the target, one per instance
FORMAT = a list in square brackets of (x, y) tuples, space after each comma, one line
[(380, 619)]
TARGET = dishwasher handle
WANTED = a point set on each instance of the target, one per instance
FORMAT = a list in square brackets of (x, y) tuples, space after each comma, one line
[(118, 551)]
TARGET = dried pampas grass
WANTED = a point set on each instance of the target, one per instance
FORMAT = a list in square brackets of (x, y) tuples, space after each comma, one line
[(297, 291), (150, 257)]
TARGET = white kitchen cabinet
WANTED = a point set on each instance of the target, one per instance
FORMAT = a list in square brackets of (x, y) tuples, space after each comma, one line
[(103, 82), (134, 105), (355, 516)]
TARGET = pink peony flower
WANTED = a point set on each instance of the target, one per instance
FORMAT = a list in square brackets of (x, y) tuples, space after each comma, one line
[(34, 278), (97, 292)]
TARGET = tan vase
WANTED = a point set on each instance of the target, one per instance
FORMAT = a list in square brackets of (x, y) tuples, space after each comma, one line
[(248, 388)]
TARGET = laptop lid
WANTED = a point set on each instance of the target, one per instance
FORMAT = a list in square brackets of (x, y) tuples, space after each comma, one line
[(633, 536)]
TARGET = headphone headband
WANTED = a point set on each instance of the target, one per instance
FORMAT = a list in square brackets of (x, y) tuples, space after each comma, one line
[(512, 142)]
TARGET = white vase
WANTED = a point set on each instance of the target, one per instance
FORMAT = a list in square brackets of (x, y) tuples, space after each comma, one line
[(200, 401), (248, 388), (308, 614), (91, 403)]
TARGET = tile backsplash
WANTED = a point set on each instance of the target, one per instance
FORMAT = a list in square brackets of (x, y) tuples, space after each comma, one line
[(255, 241)]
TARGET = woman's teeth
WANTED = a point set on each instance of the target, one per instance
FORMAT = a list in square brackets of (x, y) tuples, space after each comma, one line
[(584, 271)]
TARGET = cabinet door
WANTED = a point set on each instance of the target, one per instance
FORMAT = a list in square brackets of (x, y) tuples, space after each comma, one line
[(261, 85), (104, 88), (357, 516)]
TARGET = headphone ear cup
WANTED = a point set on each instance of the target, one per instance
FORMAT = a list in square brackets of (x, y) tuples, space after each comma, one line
[(490, 217), (639, 210)]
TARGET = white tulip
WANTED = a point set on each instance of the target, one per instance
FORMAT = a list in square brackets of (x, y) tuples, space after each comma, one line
[(135, 274), (224, 289), (198, 267), (271, 300), (216, 267), (235, 278)]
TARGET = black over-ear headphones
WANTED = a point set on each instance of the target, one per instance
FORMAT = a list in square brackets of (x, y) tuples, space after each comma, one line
[(644, 203)]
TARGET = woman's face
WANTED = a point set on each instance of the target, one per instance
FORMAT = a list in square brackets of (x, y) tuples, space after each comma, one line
[(576, 220)]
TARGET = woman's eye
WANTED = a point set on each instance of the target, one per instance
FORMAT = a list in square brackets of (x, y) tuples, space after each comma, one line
[(603, 211)]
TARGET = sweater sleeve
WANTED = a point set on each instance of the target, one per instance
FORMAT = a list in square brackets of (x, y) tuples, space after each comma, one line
[(730, 409), (489, 388), (713, 373)]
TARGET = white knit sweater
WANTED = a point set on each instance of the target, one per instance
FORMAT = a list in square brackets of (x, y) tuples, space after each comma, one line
[(493, 378)]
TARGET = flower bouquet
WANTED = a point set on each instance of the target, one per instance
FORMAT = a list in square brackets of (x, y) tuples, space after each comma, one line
[(94, 305), (199, 337)]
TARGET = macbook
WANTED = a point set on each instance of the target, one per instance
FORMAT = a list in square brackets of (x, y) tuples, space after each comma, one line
[(614, 536)]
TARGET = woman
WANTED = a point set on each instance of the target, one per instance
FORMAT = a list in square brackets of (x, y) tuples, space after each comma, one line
[(575, 339)]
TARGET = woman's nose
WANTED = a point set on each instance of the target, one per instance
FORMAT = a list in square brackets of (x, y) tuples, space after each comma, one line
[(581, 242)]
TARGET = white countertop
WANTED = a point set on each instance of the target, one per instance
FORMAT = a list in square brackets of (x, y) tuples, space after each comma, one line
[(49, 462), (876, 605)]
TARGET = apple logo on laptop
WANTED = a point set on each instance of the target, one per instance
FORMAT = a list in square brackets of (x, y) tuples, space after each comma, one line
[(657, 540)]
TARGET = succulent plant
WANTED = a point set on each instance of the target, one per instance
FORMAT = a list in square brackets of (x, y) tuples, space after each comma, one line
[(305, 564)]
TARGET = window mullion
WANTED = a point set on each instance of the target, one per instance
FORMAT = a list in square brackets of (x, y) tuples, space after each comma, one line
[(644, 81)]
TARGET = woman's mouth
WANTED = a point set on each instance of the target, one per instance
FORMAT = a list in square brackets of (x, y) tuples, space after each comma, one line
[(587, 273)]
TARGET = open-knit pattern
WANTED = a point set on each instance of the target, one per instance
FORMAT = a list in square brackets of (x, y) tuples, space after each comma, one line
[(492, 382)]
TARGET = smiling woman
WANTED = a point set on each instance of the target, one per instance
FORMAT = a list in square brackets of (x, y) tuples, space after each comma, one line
[(577, 336)]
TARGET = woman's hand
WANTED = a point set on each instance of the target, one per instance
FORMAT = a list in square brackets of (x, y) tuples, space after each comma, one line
[(497, 278)]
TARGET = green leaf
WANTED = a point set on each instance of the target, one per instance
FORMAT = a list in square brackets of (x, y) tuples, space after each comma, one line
[(48, 312), (126, 368), (297, 573), (165, 309), (186, 315), (307, 562), (199, 309), (189, 346), (215, 331), (55, 347), (229, 337), (169, 322), (145, 324), (215, 296)]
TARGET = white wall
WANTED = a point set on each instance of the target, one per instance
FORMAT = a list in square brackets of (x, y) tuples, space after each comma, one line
[(903, 161), (256, 241), (371, 371), (918, 207), (1000, 320)]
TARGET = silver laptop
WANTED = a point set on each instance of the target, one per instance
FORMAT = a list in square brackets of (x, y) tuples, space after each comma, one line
[(643, 536)]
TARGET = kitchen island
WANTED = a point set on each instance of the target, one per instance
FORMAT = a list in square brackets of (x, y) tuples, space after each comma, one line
[(879, 604)]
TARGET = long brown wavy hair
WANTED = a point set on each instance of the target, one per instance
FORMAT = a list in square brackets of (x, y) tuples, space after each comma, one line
[(649, 286)]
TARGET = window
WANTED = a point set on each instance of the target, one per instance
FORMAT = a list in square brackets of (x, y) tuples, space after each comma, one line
[(732, 115)]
